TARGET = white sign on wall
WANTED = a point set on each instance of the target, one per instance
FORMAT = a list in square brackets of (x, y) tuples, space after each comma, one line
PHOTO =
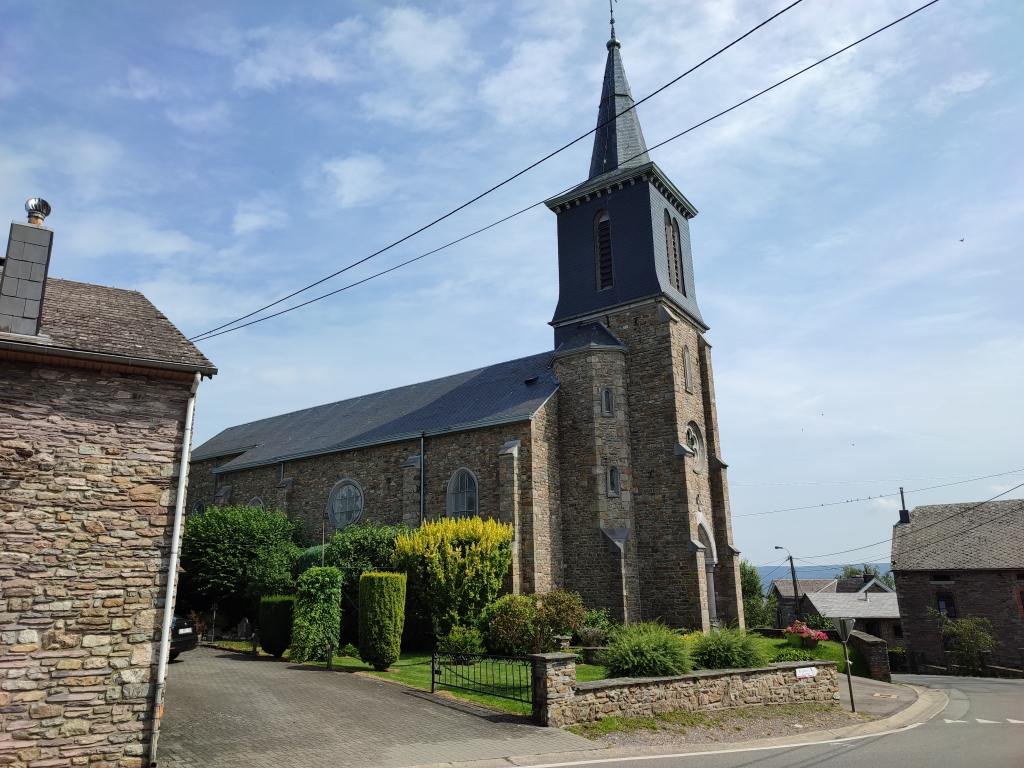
[(806, 672)]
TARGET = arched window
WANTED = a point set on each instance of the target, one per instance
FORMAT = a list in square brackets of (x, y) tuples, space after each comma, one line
[(345, 504), (256, 501), (695, 440), (607, 402), (199, 508), (462, 494), (687, 370), (614, 487), (674, 254), (603, 250)]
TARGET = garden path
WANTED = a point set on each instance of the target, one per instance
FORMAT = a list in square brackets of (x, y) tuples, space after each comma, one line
[(227, 710)]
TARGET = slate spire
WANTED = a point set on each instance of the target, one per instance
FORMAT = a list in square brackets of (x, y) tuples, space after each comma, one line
[(617, 142)]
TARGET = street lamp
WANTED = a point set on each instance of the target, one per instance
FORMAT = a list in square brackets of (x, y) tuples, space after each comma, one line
[(796, 590)]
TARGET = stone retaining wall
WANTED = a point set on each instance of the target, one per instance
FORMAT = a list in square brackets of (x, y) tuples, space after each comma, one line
[(558, 700), (875, 652)]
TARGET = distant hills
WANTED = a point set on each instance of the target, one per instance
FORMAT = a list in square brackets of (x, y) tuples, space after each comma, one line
[(770, 572)]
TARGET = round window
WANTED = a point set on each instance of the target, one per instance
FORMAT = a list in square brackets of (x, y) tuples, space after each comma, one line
[(345, 504), (696, 444)]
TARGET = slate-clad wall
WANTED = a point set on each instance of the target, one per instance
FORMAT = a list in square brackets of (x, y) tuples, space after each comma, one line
[(994, 595), (88, 470)]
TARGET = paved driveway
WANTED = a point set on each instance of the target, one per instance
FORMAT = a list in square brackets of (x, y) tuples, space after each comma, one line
[(225, 709)]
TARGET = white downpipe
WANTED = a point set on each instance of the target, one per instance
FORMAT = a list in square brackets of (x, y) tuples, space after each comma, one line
[(172, 571)]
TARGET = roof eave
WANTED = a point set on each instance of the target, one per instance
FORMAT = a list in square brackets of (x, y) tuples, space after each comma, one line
[(46, 350), (620, 177)]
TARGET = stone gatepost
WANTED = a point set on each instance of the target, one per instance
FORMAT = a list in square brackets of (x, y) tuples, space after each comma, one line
[(554, 686)]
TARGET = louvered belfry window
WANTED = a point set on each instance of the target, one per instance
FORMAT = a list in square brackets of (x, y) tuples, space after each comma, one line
[(675, 264), (604, 251)]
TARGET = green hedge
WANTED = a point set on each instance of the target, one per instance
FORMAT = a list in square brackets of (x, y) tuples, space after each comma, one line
[(276, 613), (309, 558), (646, 650), (728, 648), (456, 568), (381, 618), (317, 614)]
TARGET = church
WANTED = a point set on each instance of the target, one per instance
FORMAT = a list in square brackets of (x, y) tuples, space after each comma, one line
[(603, 453)]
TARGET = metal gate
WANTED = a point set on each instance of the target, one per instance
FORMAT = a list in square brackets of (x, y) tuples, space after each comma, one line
[(508, 677)]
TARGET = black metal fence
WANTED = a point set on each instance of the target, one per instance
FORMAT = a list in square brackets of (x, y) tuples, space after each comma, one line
[(508, 677)]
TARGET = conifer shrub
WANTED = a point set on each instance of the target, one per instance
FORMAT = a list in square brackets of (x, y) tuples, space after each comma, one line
[(308, 558), (317, 614), (507, 625), (461, 641), (455, 567), (381, 617), (727, 648), (646, 650), (276, 614)]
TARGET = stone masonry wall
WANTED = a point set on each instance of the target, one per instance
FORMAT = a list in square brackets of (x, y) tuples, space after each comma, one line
[(88, 469), (989, 594), (560, 701), (540, 500)]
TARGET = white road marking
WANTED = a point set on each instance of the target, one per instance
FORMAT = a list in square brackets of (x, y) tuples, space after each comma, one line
[(956, 721), (985, 721), (1019, 722)]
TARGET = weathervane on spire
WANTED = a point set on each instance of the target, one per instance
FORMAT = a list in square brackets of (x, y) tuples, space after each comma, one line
[(611, 13)]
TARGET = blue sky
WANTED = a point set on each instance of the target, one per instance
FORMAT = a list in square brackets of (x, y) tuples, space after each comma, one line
[(857, 251)]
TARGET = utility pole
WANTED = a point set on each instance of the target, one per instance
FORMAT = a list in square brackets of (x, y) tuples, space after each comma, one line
[(796, 588)]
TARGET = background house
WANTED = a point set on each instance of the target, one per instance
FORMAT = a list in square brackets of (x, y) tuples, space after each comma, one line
[(876, 612), (782, 590), (94, 389), (961, 560)]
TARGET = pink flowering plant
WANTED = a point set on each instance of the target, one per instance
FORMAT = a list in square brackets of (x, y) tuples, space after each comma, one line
[(797, 628), (813, 634)]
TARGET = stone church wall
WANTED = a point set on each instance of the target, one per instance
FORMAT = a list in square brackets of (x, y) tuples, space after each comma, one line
[(88, 470)]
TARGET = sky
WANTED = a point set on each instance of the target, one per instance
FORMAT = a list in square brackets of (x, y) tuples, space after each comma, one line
[(857, 250)]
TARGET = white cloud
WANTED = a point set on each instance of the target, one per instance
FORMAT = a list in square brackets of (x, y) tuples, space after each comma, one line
[(211, 119), (264, 212), (277, 56), (109, 232), (139, 85), (356, 180), (940, 97)]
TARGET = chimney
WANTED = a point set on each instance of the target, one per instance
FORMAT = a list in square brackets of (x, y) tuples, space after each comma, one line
[(867, 576), (904, 514), (24, 277)]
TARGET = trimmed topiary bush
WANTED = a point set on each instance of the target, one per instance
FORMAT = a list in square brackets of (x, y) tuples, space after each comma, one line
[(507, 625), (456, 567), (381, 618), (276, 614), (646, 650), (317, 614), (727, 648)]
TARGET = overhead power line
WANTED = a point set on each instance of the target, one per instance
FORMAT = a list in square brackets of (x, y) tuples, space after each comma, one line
[(234, 326), (507, 180), (879, 496), (931, 525)]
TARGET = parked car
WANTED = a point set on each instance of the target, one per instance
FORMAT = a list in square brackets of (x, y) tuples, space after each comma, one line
[(183, 636)]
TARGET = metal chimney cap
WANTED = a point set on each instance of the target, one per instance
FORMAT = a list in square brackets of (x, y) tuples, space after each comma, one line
[(37, 208)]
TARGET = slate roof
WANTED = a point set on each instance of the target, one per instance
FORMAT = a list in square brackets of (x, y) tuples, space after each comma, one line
[(95, 319), (879, 605), (590, 336), (961, 537), (620, 143), (497, 394), (785, 586)]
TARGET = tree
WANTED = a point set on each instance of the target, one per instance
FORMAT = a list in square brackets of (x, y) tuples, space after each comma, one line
[(757, 609), (968, 637), (856, 572), (236, 555)]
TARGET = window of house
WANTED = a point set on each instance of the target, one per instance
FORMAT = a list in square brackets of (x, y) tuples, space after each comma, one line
[(695, 441), (462, 494), (607, 402), (199, 508), (1020, 600), (675, 270), (687, 370), (614, 488), (942, 578), (873, 628), (897, 631), (345, 503), (256, 501), (945, 604), (603, 250)]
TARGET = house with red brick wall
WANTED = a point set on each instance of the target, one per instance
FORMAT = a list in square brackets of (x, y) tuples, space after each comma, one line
[(961, 560), (97, 390)]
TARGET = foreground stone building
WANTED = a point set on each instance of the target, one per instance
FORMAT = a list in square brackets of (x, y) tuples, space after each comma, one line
[(94, 389), (603, 453), (961, 560)]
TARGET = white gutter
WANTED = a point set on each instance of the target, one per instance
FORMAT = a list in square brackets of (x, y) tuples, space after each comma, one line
[(172, 572)]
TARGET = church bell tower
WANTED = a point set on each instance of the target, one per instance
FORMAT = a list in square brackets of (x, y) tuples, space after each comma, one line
[(646, 527)]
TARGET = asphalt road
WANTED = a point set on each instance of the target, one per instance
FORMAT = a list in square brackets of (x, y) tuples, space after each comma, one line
[(975, 729)]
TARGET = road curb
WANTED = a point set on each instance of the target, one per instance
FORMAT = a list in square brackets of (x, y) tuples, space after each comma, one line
[(930, 702)]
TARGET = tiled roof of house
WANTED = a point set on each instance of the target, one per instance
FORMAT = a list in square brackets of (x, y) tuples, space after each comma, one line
[(785, 586), (879, 605), (502, 393), (86, 318), (961, 537)]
